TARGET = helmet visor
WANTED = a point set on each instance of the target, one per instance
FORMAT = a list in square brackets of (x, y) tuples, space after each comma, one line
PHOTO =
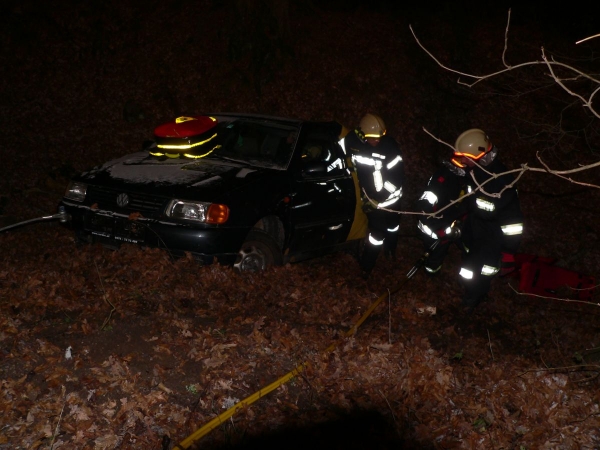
[(458, 163), (470, 156), (460, 155), (375, 135)]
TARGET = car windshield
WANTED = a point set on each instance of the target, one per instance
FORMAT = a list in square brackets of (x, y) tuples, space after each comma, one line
[(256, 143)]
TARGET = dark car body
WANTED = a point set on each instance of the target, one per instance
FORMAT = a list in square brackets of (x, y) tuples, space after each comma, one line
[(284, 184)]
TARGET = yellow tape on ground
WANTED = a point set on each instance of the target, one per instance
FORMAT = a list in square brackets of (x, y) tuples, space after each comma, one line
[(217, 421), (220, 419)]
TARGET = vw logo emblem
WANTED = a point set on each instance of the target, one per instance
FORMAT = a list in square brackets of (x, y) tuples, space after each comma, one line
[(122, 200)]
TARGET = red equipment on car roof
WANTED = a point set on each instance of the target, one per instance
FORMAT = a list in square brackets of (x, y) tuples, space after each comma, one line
[(185, 136)]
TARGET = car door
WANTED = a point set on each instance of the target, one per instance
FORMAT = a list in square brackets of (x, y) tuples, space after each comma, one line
[(323, 199)]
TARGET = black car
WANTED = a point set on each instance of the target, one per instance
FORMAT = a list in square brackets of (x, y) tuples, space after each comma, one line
[(241, 189)]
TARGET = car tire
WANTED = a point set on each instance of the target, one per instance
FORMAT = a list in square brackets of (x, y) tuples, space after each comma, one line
[(258, 251)]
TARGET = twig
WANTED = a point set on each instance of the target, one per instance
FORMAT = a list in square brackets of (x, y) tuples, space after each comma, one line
[(506, 40), (559, 174), (389, 317), (556, 344), (57, 425), (544, 362), (589, 367), (389, 406), (478, 78), (588, 38), (568, 300), (559, 81), (585, 418), (490, 344), (105, 297)]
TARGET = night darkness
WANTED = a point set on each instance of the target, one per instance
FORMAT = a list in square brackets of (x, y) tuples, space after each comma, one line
[(85, 82)]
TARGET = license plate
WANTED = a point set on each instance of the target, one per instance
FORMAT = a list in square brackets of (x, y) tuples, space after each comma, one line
[(119, 229), (129, 231)]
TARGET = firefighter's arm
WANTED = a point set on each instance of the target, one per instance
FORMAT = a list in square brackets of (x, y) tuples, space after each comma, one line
[(488, 207), (442, 229), (453, 232)]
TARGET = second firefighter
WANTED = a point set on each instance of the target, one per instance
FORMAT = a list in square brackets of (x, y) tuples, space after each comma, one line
[(378, 163)]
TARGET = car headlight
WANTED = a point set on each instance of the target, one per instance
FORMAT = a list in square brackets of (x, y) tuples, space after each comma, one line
[(198, 211), (76, 191)]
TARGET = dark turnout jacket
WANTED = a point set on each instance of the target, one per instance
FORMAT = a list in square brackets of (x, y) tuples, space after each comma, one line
[(380, 169)]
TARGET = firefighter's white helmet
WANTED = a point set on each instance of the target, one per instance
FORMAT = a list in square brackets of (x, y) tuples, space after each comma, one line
[(372, 126), (473, 143)]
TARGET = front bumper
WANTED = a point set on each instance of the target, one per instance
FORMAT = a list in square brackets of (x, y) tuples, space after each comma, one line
[(204, 242)]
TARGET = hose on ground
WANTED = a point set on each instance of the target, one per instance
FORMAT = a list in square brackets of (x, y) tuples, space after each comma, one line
[(220, 419)]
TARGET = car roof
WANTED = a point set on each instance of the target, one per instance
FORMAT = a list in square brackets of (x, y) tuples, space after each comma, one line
[(311, 126), (284, 121), (229, 117)]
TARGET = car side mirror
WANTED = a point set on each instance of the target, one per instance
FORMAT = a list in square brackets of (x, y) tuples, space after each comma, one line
[(314, 169)]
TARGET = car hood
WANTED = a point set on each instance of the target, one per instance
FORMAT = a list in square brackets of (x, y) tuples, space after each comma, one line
[(139, 171)]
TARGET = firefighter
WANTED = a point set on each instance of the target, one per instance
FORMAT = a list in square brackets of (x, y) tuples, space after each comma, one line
[(443, 192), (493, 227), (377, 160)]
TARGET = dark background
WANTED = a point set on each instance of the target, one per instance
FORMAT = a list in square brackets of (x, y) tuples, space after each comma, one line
[(83, 82)]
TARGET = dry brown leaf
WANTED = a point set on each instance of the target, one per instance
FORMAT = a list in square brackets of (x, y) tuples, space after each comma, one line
[(135, 216), (214, 362)]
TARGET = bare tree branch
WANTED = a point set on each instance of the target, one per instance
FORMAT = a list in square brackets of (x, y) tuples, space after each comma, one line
[(560, 80), (588, 38), (508, 68), (506, 40), (567, 300)]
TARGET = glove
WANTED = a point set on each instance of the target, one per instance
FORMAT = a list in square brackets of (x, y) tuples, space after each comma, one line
[(453, 232), (368, 205)]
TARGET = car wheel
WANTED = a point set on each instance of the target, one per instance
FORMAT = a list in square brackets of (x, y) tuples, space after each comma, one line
[(258, 251)]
